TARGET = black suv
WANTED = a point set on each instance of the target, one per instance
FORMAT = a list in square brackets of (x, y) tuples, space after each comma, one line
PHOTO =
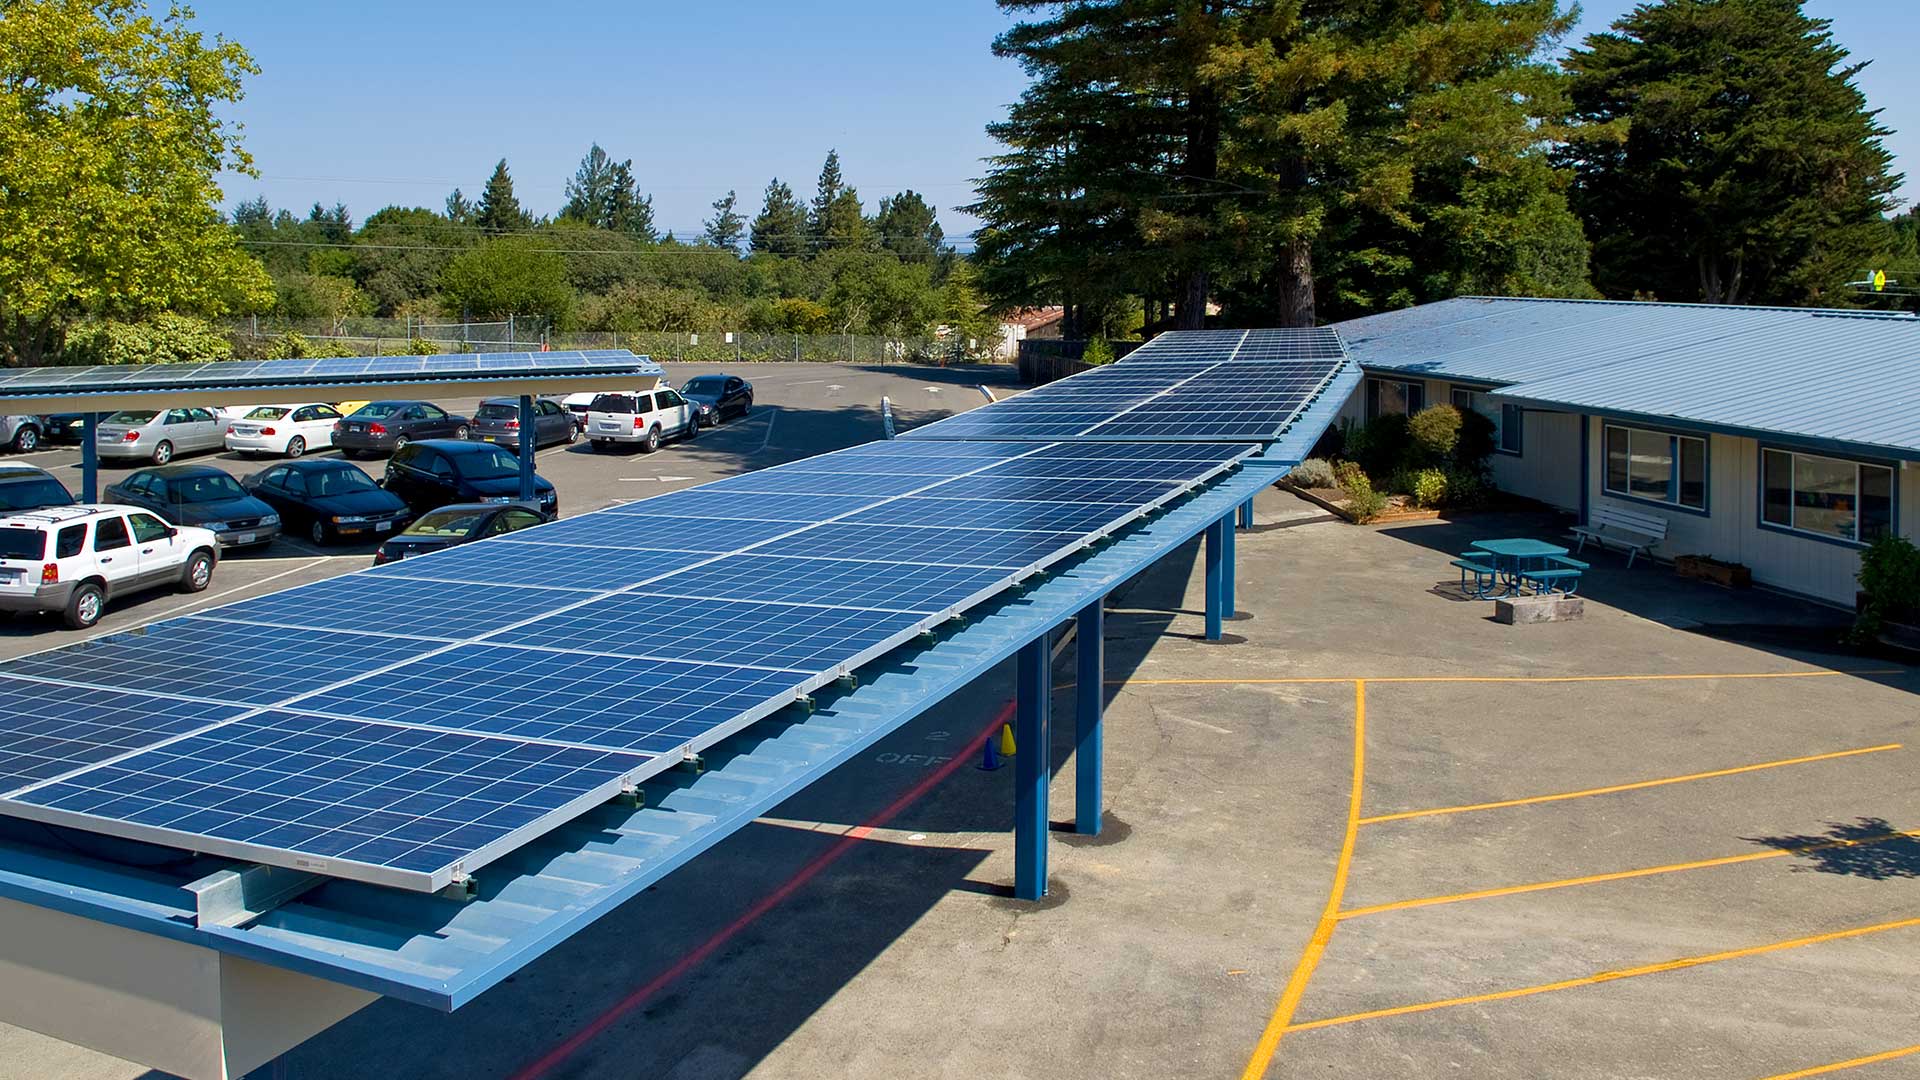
[(434, 472)]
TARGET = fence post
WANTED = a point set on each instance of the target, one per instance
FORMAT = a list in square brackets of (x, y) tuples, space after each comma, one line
[(510, 341), (849, 348), (796, 348)]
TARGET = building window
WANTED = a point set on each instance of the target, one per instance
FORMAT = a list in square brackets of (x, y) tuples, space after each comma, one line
[(1462, 398), (1656, 466), (1390, 397), (1829, 497), (1512, 428)]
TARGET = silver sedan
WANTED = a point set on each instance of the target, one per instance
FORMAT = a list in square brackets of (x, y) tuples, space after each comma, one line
[(159, 435)]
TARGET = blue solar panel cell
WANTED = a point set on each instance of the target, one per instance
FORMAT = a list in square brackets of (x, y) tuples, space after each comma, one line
[(718, 631), (751, 505), (50, 729), (556, 566), (1082, 518), (636, 527), (431, 609), (913, 544), (413, 802), (345, 370), (783, 481), (1045, 489), (830, 582)]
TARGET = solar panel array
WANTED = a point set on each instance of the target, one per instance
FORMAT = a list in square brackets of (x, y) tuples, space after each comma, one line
[(1197, 385), (408, 723), (320, 371)]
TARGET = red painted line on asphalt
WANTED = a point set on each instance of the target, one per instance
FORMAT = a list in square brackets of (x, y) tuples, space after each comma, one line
[(690, 960)]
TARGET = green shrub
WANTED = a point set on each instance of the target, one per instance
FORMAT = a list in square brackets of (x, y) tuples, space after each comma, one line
[(1890, 576), (421, 347), (163, 339), (1349, 475), (1475, 444), (1400, 482), (1466, 488), (1098, 353), (294, 345), (1363, 502), (1429, 488), (1434, 432), (1384, 445), (1312, 473)]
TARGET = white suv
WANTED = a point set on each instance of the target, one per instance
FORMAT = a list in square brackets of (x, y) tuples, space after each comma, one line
[(73, 559), (641, 419)]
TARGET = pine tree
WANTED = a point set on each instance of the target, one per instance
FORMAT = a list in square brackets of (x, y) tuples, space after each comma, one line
[(627, 210), (460, 209), (827, 192), (1751, 171), (726, 227), (590, 193), (908, 227), (499, 211), (781, 226), (845, 224)]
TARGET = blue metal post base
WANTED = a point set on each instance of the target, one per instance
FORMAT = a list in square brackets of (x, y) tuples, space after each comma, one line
[(1229, 603), (1089, 704), (90, 459), (1246, 514), (1219, 535), (1033, 707), (529, 439)]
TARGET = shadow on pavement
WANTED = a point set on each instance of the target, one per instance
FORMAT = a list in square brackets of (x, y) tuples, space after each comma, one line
[(1868, 847)]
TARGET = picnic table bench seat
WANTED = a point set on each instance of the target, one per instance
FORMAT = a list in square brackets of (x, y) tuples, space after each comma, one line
[(1628, 530)]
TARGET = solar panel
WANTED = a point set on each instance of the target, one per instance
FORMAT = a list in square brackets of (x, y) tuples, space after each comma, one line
[(1205, 346), (720, 631), (558, 566), (53, 728), (433, 609)]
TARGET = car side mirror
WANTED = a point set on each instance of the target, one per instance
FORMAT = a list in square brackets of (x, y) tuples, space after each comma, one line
[(172, 532)]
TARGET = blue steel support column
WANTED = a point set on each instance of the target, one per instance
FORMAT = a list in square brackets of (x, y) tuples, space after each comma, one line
[(1246, 514), (1219, 535), (529, 438), (90, 458), (1090, 702), (1033, 707), (1229, 604)]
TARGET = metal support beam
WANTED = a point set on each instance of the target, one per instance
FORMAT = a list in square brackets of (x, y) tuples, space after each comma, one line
[(238, 896), (1229, 603), (1090, 703), (90, 459), (529, 439), (1219, 535), (1246, 514), (1032, 737)]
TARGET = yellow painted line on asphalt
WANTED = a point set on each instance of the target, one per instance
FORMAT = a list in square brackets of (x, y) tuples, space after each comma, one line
[(1305, 679), (1277, 1024), (1406, 815), (1608, 976), (1623, 875), (1850, 1063)]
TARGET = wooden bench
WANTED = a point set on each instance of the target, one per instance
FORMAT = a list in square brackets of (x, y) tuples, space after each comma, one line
[(1632, 532)]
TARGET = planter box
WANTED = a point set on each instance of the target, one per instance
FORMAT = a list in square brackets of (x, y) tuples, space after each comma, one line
[(1707, 568), (1526, 610)]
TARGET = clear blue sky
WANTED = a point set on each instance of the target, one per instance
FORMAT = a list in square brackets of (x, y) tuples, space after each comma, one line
[(380, 103)]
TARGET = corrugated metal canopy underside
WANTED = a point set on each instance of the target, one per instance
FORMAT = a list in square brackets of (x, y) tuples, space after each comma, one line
[(1848, 379)]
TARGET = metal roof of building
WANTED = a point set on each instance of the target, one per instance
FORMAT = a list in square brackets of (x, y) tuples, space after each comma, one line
[(1841, 379)]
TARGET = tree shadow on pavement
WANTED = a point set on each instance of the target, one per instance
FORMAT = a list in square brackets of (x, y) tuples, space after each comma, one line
[(1868, 847)]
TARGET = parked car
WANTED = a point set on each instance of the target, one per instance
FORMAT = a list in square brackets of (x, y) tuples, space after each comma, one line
[(63, 428), (201, 495), (74, 559), (329, 500), (719, 396), (158, 435), (21, 434), (386, 426), (437, 472), (577, 403), (24, 487), (497, 420), (283, 429), (461, 523), (641, 420)]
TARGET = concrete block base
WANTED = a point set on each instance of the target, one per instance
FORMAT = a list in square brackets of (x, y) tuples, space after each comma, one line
[(1521, 610)]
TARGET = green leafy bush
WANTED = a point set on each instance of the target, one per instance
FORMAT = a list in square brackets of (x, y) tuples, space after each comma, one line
[(1349, 475), (1475, 444), (1466, 487), (1384, 445), (1435, 432), (1890, 576), (1363, 502), (1429, 488), (163, 339), (293, 345), (421, 347), (1312, 473), (1098, 353)]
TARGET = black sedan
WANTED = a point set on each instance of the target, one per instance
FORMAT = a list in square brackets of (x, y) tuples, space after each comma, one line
[(201, 495), (718, 397), (330, 499), (461, 523), (66, 429), (434, 473), (386, 426)]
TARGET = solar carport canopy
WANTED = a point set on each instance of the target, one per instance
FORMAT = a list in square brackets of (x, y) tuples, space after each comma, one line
[(331, 728), (112, 387)]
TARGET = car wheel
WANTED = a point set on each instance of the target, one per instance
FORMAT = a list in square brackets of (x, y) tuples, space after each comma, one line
[(653, 439), (573, 434), (317, 532), (746, 407), (402, 441), (296, 446), (693, 427), (163, 453), (27, 439), (85, 606), (462, 431), (198, 573)]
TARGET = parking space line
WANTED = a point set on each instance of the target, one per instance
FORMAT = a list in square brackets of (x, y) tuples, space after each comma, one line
[(1407, 815), (1608, 976), (1623, 875), (1277, 1024), (1850, 1063)]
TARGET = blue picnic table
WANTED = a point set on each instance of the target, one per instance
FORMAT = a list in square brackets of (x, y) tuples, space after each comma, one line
[(1506, 566)]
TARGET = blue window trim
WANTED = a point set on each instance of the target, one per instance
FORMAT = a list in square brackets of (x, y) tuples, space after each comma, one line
[(1706, 468), (1760, 493), (1500, 435)]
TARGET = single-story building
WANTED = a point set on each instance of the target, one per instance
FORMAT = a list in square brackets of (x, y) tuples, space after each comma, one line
[(1039, 323), (1784, 439)]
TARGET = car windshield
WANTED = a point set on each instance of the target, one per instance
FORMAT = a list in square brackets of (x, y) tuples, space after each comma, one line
[(33, 493), (491, 463), (706, 384), (380, 410), (446, 523), (206, 489), (17, 543), (135, 417), (269, 412), (494, 410), (341, 481)]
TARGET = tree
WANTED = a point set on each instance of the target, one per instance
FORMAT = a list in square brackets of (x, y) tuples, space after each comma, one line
[(827, 191), (460, 209), (908, 227), (400, 253), (108, 150), (781, 226), (628, 211), (590, 193), (509, 275), (1751, 171), (499, 211), (726, 227)]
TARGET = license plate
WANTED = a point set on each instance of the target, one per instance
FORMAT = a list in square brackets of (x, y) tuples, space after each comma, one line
[(11, 577), (488, 438), (383, 526), (245, 538)]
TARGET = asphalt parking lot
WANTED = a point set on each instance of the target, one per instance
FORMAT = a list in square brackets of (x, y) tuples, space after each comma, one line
[(1374, 835)]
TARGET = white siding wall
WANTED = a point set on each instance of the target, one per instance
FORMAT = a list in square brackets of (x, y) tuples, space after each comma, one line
[(1547, 468), (1732, 532)]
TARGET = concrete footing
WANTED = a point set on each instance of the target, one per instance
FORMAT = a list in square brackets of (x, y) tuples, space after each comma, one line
[(1521, 610)]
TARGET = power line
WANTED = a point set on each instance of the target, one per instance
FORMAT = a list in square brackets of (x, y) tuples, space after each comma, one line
[(353, 246)]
